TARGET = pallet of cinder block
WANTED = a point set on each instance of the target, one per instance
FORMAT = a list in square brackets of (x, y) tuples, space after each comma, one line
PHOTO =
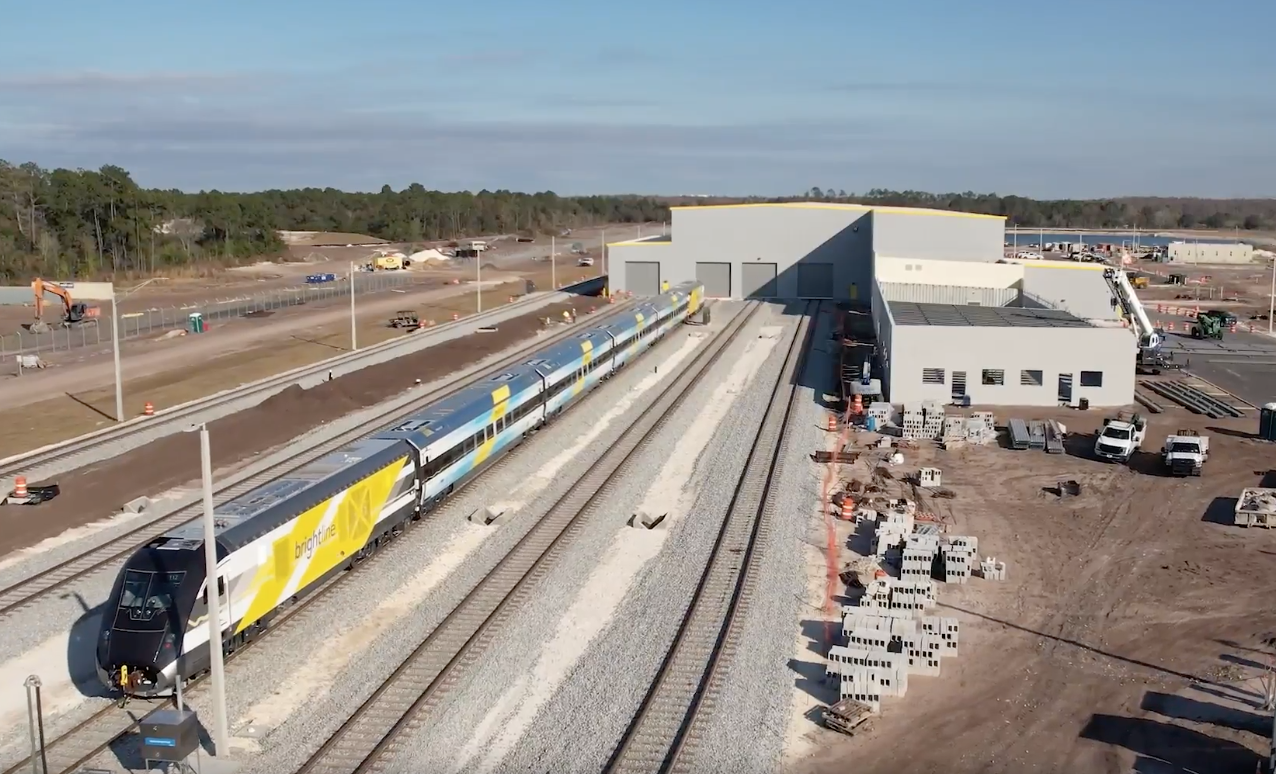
[(1019, 438), (1036, 434), (1256, 507)]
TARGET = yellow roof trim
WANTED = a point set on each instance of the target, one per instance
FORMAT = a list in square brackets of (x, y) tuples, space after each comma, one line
[(638, 243), (844, 207)]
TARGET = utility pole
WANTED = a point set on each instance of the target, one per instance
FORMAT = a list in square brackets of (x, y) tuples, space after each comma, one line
[(115, 351), (221, 731), (1271, 305), (354, 341)]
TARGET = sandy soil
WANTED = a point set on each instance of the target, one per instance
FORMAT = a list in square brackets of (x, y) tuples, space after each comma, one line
[(1128, 615), (172, 370), (95, 491)]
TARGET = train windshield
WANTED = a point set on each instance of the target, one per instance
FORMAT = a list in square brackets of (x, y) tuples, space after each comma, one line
[(146, 594)]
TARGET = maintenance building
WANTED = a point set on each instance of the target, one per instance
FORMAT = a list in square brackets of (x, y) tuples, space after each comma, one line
[(954, 319)]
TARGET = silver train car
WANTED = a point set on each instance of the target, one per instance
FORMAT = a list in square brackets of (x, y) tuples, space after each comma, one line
[(279, 542)]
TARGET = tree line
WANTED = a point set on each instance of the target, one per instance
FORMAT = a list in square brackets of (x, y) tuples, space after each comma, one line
[(87, 224), (1142, 212)]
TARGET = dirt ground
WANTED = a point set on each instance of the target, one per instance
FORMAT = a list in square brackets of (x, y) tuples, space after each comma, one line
[(97, 491), (1243, 290), (1125, 631), (169, 371)]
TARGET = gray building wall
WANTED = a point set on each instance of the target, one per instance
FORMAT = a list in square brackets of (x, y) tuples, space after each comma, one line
[(1202, 252), (840, 239), (947, 294), (884, 327), (1052, 351), (945, 237), (1079, 289)]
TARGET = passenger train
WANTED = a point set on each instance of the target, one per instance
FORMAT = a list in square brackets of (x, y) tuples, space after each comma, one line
[(277, 543)]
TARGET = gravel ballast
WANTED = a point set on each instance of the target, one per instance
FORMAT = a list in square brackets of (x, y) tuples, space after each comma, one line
[(576, 727), (274, 692)]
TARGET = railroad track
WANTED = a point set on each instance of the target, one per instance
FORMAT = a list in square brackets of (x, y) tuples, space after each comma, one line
[(666, 730), (28, 591), (179, 417), (370, 737), (76, 748)]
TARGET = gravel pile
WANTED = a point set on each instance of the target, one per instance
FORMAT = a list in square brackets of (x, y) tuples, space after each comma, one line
[(759, 685), (309, 701), (576, 728)]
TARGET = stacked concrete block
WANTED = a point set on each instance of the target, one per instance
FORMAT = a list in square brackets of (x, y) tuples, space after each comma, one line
[(979, 432), (967, 542), (883, 413), (912, 421), (917, 560), (924, 657), (932, 419), (992, 569), (954, 430), (929, 477), (869, 639), (947, 630), (882, 620), (860, 688), (956, 563), (986, 417)]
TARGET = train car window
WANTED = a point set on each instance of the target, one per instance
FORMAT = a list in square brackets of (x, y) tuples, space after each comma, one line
[(221, 589)]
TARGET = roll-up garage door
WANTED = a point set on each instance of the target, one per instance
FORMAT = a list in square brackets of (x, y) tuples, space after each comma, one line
[(716, 278), (642, 278), (758, 280), (815, 280)]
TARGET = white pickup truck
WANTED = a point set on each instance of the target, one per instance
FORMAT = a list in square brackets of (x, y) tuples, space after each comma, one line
[(1185, 453), (1120, 437)]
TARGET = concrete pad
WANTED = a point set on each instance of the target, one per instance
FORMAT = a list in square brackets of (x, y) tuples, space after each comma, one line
[(137, 505), (646, 520), (486, 516)]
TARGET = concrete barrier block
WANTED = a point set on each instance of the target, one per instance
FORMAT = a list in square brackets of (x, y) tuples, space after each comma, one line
[(486, 516), (647, 520), (137, 505)]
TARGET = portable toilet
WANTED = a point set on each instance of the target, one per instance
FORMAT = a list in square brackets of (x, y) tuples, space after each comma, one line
[(1267, 422), (195, 322)]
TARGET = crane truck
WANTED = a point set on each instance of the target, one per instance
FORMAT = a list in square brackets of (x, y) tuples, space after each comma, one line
[(74, 313), (1120, 437), (1185, 453), (1151, 356)]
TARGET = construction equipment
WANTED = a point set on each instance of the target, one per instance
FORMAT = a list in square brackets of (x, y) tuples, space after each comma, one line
[(1176, 279), (74, 312), (405, 318), (1120, 437), (1137, 281), (1149, 357), (1207, 327), (385, 263), (1185, 453)]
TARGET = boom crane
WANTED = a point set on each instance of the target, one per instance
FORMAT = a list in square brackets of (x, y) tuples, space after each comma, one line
[(1150, 356)]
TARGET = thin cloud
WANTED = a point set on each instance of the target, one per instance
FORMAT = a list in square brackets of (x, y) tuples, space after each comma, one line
[(96, 80)]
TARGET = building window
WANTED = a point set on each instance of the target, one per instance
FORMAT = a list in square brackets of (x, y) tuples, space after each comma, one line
[(932, 376), (994, 377), (1091, 378), (1031, 378)]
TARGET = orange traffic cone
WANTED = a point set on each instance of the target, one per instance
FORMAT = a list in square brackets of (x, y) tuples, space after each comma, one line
[(857, 405), (848, 509), (455, 316), (832, 423), (148, 410), (20, 487)]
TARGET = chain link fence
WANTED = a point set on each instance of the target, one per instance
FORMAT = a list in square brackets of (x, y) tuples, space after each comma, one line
[(159, 319)]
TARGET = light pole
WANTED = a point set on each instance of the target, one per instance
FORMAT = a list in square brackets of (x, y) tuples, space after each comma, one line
[(115, 350), (478, 281), (221, 743), (354, 340), (602, 254), (553, 268), (1271, 298)]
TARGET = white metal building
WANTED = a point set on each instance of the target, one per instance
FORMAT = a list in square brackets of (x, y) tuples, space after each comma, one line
[(1209, 252), (952, 316)]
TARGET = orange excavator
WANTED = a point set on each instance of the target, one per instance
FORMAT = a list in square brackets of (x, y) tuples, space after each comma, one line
[(73, 312)]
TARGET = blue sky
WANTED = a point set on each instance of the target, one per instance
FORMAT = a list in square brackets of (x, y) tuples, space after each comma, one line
[(1084, 99)]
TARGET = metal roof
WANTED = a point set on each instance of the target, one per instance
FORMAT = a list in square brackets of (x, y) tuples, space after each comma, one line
[(908, 313)]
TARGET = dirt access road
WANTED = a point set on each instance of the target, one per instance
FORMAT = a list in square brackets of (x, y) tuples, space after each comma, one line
[(97, 491), (1122, 638), (174, 369)]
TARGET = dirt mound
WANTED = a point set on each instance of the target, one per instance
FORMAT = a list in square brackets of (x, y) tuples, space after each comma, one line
[(96, 491)]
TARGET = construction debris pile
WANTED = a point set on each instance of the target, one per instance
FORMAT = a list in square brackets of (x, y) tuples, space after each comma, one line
[(892, 631), (1256, 507)]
